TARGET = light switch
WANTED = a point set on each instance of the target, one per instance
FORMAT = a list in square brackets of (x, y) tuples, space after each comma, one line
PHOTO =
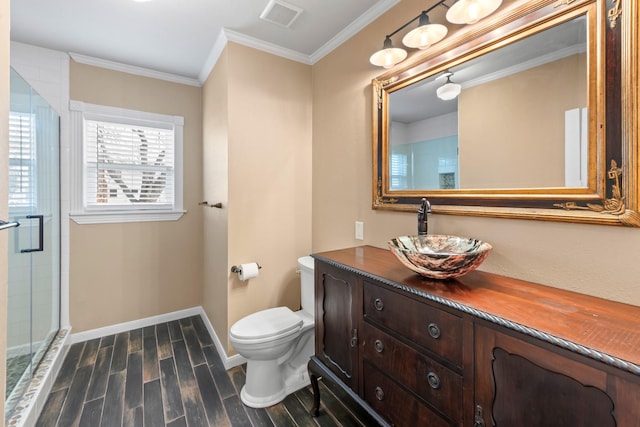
[(359, 230)]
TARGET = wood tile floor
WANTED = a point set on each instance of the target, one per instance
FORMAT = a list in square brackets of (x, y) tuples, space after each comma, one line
[(171, 375)]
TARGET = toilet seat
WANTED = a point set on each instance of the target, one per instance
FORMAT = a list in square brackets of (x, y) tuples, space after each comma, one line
[(266, 325)]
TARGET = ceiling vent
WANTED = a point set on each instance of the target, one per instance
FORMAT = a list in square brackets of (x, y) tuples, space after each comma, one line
[(280, 13)]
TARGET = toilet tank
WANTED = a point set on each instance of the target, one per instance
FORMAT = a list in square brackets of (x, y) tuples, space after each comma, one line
[(307, 298)]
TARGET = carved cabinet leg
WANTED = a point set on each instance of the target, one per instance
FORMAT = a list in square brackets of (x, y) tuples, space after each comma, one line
[(314, 377)]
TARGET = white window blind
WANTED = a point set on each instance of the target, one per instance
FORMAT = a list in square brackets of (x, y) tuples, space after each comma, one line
[(128, 165), (398, 171), (22, 160)]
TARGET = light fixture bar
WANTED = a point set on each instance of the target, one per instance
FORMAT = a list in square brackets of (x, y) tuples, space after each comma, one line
[(389, 56), (424, 12), (427, 34)]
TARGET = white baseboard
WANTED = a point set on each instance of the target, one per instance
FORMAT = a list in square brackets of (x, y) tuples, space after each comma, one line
[(134, 324), (228, 362)]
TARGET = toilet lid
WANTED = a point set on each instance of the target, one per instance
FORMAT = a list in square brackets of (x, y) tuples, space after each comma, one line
[(266, 323)]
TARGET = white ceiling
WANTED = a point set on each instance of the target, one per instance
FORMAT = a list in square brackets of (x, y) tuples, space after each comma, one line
[(181, 37)]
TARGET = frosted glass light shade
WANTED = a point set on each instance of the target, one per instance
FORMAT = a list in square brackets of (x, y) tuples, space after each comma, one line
[(448, 91), (471, 11), (388, 56), (425, 36)]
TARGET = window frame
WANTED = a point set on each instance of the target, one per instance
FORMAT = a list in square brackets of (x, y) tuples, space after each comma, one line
[(31, 205), (83, 214)]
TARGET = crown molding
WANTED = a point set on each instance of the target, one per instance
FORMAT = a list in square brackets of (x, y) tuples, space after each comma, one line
[(132, 69), (214, 55), (271, 48), (535, 62), (352, 29), (226, 35)]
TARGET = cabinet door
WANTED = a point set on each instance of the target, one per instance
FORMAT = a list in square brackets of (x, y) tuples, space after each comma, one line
[(519, 383), (336, 321)]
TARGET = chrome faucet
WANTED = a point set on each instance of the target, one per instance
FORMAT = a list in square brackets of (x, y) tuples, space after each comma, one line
[(423, 213)]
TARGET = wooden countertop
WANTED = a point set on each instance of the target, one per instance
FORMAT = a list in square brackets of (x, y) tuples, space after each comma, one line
[(604, 330)]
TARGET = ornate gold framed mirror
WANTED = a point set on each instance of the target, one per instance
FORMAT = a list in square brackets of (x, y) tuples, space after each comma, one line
[(531, 114)]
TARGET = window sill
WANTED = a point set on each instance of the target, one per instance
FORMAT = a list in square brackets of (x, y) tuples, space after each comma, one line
[(117, 217)]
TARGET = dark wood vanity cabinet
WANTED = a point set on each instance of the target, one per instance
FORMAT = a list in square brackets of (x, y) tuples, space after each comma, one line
[(338, 310), (413, 349), (391, 350), (416, 352), (521, 382)]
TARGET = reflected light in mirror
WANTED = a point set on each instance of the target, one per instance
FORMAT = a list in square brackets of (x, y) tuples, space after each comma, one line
[(471, 11), (449, 90)]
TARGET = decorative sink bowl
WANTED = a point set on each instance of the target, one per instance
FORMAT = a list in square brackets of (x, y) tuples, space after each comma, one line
[(439, 256)]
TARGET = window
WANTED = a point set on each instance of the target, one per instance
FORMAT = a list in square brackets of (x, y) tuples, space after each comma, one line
[(22, 161), (399, 166), (128, 165)]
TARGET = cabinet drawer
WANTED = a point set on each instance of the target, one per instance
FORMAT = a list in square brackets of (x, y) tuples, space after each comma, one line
[(395, 404), (427, 326), (431, 381)]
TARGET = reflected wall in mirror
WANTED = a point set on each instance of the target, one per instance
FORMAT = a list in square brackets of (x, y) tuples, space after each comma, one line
[(486, 136), (540, 120)]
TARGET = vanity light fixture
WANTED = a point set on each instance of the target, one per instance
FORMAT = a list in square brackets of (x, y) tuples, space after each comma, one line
[(471, 11), (425, 35), (449, 90), (388, 56), (428, 34)]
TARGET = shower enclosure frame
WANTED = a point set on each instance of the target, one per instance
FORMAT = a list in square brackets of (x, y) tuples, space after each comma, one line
[(34, 306)]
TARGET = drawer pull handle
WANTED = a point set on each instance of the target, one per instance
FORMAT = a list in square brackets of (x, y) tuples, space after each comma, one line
[(379, 393), (434, 381), (478, 420), (379, 346), (434, 330), (378, 304)]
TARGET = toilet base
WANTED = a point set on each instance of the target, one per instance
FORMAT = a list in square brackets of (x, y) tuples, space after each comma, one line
[(266, 387), (262, 401)]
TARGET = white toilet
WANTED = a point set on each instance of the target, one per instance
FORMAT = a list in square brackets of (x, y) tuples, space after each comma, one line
[(277, 344)]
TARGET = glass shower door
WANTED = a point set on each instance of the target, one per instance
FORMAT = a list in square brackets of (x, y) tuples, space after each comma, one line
[(33, 315)]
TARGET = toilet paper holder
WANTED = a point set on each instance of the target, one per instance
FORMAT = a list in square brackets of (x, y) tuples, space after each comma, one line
[(236, 269)]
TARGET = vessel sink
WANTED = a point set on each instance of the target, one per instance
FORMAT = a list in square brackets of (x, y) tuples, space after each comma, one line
[(439, 256)]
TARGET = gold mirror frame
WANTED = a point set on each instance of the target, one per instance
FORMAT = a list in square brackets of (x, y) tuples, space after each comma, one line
[(611, 197)]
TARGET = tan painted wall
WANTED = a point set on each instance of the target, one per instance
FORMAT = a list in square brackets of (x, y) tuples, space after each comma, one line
[(129, 271), (215, 160), (596, 260), (4, 180), (502, 146), (269, 179)]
